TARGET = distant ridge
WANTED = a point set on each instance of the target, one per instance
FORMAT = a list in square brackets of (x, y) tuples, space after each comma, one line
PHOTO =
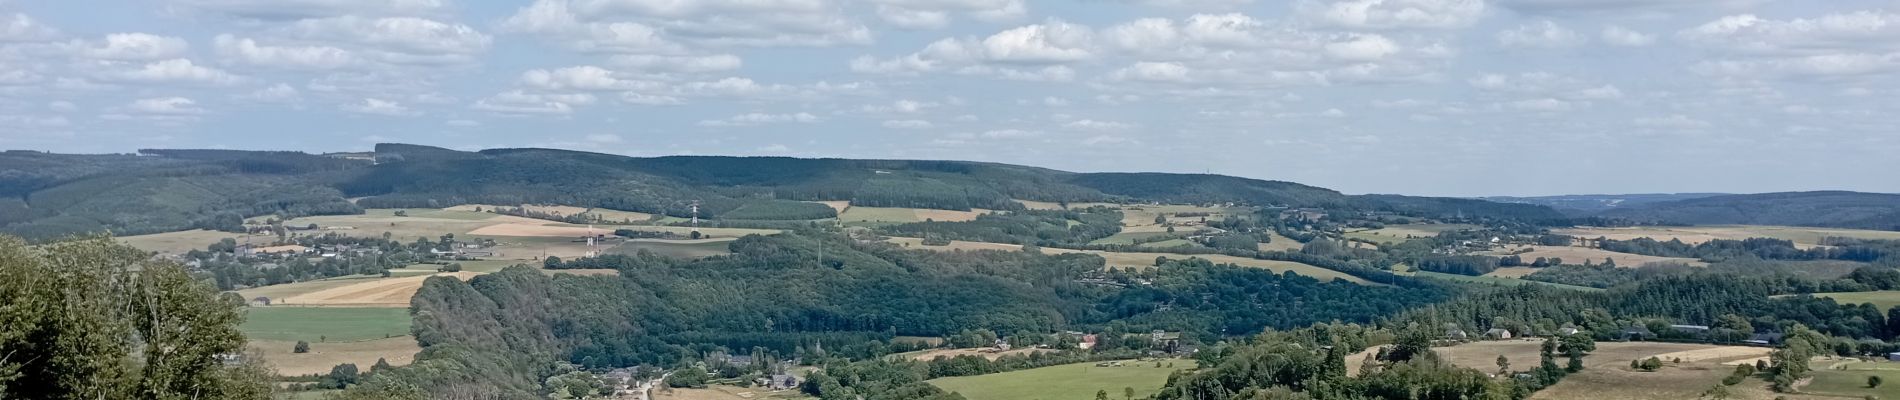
[(46, 195), (1834, 209)]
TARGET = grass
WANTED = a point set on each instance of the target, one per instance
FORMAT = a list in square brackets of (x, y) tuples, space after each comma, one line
[(1071, 381), (1128, 237), (329, 324), (1850, 379), (1171, 243), (878, 214), (1493, 280), (676, 249), (463, 215), (1884, 299)]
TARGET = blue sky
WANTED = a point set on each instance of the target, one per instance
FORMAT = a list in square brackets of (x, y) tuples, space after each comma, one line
[(1432, 97)]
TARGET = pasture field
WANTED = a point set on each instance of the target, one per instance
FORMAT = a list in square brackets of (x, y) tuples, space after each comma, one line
[(725, 392), (860, 214), (1071, 381), (1128, 237), (182, 242), (1801, 236), (1848, 378), (629, 217), (1401, 233), (1487, 279), (1171, 243), (1281, 243), (1576, 255), (1039, 205), (1143, 260), (445, 213), (398, 351), (1512, 272), (927, 355), (1883, 299), (324, 324), (685, 249), (543, 229), (1483, 355)]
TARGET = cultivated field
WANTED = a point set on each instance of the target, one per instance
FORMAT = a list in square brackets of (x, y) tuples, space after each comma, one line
[(1801, 236), (397, 351), (377, 292), (185, 241), (1607, 375), (1126, 237), (1576, 255), (324, 324), (541, 229), (1511, 272), (1143, 260), (1072, 381)]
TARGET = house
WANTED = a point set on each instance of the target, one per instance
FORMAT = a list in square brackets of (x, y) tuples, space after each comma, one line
[(1893, 356), (1001, 345), (1497, 334), (1456, 334), (1567, 330), (739, 361), (1088, 342), (781, 382), (1636, 332), (260, 301)]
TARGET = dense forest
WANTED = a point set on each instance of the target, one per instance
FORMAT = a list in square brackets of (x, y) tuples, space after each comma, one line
[(1825, 209)]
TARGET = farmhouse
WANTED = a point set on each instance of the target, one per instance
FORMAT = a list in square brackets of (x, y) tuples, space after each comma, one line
[(1497, 334), (779, 382)]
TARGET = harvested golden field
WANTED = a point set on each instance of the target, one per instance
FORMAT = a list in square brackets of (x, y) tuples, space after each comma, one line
[(901, 215), (836, 205), (382, 292), (1801, 236), (398, 351), (1576, 255), (1143, 260), (182, 242), (924, 214), (539, 208)]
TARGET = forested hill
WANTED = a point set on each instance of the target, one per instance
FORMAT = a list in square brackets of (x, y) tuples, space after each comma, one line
[(1837, 209), (44, 195), (1587, 204)]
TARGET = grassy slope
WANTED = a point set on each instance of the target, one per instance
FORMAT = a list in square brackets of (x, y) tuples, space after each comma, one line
[(1072, 381), (335, 324)]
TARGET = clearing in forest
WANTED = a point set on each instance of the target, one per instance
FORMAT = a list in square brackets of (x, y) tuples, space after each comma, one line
[(1069, 381), (382, 292)]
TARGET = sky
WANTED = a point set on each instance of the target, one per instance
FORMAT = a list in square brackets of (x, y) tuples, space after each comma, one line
[(1424, 97)]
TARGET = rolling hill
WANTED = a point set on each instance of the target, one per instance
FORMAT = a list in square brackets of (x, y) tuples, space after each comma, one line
[(44, 195), (1833, 209), (1586, 204)]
